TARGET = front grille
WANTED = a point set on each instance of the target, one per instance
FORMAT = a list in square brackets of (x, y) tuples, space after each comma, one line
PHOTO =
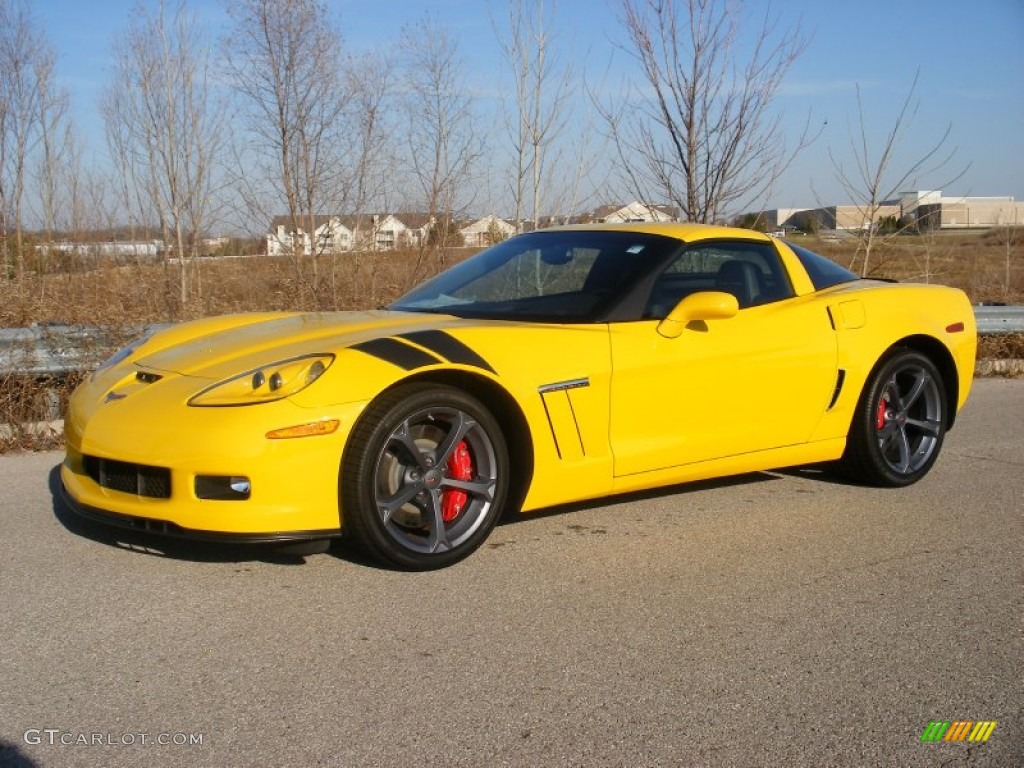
[(137, 479)]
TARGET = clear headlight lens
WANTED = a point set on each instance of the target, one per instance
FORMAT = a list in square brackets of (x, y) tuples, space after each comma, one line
[(267, 383)]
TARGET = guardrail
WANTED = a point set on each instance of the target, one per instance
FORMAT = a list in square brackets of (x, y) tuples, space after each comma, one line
[(44, 350), (999, 319), (58, 350)]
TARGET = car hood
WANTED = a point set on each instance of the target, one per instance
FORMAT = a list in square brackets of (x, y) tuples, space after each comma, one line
[(231, 345)]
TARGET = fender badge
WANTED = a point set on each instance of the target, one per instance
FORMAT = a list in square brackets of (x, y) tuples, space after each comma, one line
[(111, 396)]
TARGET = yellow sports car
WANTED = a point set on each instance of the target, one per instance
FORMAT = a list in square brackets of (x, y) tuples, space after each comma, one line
[(559, 365)]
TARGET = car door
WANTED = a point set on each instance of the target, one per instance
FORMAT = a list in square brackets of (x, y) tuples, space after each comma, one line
[(758, 380)]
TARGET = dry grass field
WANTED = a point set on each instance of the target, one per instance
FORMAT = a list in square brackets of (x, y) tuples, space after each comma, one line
[(975, 263), (146, 292), (134, 294), (126, 296)]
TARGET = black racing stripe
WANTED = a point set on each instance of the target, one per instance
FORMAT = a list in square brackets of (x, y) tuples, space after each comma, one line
[(448, 347), (397, 353)]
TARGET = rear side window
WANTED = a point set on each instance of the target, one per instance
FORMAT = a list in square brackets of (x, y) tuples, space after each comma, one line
[(750, 271), (822, 271)]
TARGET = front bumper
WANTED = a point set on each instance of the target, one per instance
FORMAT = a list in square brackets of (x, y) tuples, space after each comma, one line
[(166, 528), (293, 482)]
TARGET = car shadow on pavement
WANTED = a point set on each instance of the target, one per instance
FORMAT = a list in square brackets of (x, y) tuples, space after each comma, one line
[(826, 473), (163, 546), (11, 756), (634, 496), (217, 552)]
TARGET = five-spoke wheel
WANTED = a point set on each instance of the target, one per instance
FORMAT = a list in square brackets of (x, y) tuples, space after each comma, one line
[(425, 477), (900, 422)]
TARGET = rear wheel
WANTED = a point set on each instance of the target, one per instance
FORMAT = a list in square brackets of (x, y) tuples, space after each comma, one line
[(425, 477), (900, 422)]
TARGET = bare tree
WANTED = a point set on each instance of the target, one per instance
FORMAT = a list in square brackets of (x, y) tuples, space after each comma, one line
[(1007, 236), (285, 63), (877, 175), (700, 131), (22, 48), (441, 139), (163, 117), (55, 175), (367, 80), (542, 87), (934, 249)]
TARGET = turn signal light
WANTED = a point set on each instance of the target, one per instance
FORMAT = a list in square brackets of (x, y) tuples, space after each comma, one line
[(313, 429)]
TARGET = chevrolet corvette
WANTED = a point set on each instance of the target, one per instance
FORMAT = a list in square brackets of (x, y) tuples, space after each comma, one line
[(557, 366)]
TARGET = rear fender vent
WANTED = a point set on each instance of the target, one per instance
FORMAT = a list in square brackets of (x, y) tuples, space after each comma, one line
[(840, 378)]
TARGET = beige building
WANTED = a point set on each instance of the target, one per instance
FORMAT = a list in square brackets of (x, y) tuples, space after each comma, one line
[(849, 218), (916, 210), (930, 210)]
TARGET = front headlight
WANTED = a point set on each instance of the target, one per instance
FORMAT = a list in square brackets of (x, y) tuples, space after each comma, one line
[(266, 383)]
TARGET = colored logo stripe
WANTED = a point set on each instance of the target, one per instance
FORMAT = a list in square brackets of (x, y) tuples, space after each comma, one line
[(958, 730), (982, 730)]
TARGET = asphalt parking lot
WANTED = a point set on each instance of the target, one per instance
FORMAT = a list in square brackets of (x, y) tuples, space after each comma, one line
[(777, 619)]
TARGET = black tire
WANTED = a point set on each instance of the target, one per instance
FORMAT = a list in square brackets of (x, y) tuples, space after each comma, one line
[(900, 422), (400, 490)]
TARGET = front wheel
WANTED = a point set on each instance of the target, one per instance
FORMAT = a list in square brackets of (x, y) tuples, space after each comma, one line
[(425, 477), (900, 422)]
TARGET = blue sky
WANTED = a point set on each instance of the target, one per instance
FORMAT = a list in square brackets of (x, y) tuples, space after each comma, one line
[(970, 56)]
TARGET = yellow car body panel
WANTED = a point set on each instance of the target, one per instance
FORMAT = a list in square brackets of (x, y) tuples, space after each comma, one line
[(297, 479), (713, 391), (607, 406)]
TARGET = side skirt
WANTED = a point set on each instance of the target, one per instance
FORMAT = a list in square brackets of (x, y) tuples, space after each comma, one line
[(776, 458)]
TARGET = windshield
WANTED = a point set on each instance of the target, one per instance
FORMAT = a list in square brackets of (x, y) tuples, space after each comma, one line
[(555, 275)]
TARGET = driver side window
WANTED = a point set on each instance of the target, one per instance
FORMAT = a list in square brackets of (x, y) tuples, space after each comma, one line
[(752, 272)]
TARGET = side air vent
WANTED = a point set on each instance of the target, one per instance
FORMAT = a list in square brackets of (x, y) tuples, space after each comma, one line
[(147, 378), (840, 378)]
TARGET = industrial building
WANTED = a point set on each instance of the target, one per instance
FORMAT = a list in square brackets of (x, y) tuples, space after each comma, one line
[(920, 210)]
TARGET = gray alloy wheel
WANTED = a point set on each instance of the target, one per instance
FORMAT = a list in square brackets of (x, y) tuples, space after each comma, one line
[(900, 422), (427, 477)]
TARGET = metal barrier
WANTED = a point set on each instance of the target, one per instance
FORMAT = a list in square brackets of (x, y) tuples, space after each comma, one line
[(999, 319), (44, 350), (58, 350)]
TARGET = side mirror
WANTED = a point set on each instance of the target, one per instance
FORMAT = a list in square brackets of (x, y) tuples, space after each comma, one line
[(706, 305)]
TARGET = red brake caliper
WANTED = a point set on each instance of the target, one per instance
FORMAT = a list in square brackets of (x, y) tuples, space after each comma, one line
[(883, 406), (459, 467)]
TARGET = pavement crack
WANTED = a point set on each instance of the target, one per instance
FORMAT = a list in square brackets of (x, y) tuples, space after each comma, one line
[(987, 458)]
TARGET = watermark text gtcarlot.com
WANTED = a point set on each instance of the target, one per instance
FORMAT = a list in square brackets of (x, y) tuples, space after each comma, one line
[(56, 737)]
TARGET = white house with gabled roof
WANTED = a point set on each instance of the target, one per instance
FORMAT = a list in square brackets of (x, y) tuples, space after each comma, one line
[(330, 235), (486, 231), (634, 212)]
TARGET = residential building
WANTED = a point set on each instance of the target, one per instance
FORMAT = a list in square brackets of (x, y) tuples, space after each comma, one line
[(633, 212), (330, 235), (338, 233), (486, 231)]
